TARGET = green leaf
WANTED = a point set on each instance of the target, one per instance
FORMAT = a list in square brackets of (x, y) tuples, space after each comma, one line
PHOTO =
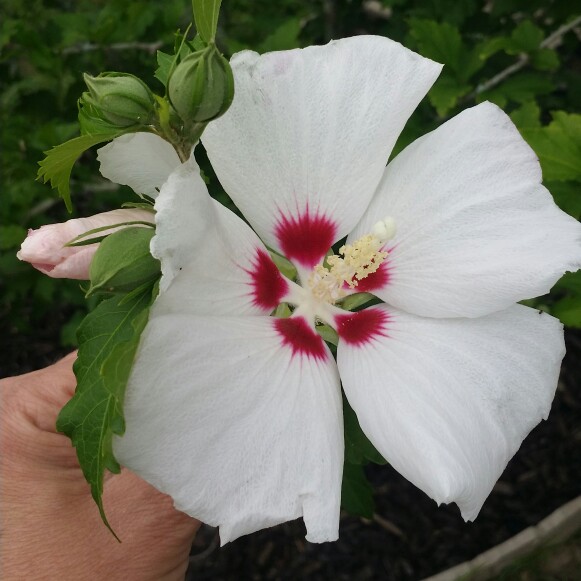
[(526, 37), (558, 146), (570, 281), (491, 46), (527, 116), (356, 492), (123, 261), (521, 88), (568, 311), (440, 42), (206, 14), (285, 37), (445, 93), (545, 59), (358, 448), (108, 339), (567, 196), (57, 165)]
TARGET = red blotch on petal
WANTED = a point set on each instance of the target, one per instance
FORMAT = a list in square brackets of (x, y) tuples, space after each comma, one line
[(379, 279), (296, 334), (362, 327), (305, 238), (268, 285)]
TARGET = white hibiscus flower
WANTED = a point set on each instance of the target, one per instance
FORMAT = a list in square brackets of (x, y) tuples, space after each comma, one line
[(237, 414)]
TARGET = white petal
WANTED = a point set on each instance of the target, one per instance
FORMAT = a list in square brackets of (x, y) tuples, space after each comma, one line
[(448, 401), (142, 161), (476, 231), (211, 261), (308, 135), (241, 432)]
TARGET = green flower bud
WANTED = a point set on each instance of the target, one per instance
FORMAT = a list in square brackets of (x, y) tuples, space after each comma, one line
[(90, 122), (201, 87), (119, 98)]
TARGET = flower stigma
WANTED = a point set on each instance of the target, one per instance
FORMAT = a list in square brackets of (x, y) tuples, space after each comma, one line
[(355, 262)]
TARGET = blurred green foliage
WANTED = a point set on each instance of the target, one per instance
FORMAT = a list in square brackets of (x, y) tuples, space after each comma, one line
[(522, 54)]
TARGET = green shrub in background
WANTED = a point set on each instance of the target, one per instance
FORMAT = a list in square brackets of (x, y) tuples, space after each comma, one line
[(524, 55)]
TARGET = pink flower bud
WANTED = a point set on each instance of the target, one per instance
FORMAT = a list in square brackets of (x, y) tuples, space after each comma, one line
[(45, 248)]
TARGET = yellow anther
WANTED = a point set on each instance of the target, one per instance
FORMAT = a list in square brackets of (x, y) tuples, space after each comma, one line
[(356, 262)]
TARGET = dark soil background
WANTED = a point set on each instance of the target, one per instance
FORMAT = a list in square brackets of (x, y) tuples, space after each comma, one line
[(410, 537)]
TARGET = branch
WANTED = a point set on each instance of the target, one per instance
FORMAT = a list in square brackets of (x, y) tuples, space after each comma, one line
[(552, 41), (149, 47)]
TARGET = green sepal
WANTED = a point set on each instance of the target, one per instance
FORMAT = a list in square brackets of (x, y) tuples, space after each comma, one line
[(285, 266), (328, 334), (147, 205), (164, 65), (91, 124), (87, 237), (57, 165), (356, 492), (355, 300), (206, 14), (108, 338), (123, 262)]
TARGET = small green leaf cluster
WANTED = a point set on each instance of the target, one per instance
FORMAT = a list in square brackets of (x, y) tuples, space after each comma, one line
[(199, 87)]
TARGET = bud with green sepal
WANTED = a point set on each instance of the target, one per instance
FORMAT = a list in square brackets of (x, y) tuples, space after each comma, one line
[(119, 99), (201, 87)]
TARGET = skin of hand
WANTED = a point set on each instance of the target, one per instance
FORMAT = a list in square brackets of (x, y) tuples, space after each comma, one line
[(51, 528)]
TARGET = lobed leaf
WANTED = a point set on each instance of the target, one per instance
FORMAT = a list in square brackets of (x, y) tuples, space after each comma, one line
[(56, 167), (108, 338)]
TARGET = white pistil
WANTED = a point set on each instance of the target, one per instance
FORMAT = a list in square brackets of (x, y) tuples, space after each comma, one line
[(357, 261)]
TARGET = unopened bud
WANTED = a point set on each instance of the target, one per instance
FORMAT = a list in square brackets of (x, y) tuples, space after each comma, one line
[(202, 86), (119, 98)]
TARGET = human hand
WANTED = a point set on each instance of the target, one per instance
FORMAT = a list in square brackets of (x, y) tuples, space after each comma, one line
[(51, 525)]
